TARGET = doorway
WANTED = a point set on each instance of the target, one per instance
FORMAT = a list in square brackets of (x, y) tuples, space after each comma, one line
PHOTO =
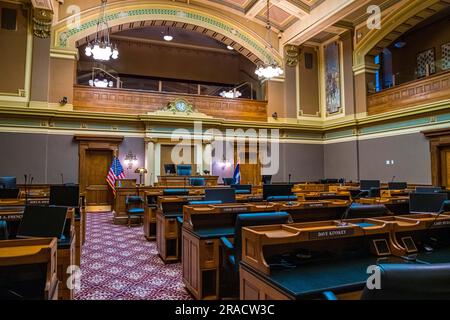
[(98, 192)]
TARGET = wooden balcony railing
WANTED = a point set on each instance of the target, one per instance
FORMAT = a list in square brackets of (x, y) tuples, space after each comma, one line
[(141, 102), (415, 93)]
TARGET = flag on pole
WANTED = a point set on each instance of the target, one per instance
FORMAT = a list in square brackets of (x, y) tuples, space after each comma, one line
[(237, 174), (115, 173)]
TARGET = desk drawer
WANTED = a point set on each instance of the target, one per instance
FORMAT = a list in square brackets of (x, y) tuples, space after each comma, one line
[(209, 254)]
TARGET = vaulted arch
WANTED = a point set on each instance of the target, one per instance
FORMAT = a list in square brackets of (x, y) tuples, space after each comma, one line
[(68, 32)]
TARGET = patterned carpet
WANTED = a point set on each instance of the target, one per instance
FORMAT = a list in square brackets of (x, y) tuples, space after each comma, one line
[(119, 264)]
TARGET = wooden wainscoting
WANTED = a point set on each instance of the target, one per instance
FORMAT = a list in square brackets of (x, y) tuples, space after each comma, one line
[(427, 90), (141, 102)]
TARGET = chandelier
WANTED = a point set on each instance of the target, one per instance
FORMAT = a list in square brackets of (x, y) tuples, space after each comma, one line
[(271, 69), (232, 94), (103, 79), (101, 48)]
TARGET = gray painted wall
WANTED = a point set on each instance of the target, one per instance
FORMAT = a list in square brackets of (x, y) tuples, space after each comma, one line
[(304, 161), (411, 155), (47, 156), (341, 161), (43, 156)]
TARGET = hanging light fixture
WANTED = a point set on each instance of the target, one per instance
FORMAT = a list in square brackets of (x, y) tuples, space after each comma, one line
[(232, 94), (101, 48), (271, 69), (168, 36)]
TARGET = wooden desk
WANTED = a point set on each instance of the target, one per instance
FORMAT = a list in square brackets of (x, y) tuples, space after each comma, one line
[(203, 226), (33, 251), (308, 195), (149, 194), (341, 273)]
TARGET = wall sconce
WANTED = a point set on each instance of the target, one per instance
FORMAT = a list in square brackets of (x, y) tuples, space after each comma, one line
[(142, 172), (130, 160)]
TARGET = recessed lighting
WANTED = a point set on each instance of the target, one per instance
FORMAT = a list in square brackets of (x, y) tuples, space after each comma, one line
[(230, 48), (168, 37)]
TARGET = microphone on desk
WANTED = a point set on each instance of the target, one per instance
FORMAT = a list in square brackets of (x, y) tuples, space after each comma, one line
[(345, 214), (62, 178), (289, 178), (31, 182)]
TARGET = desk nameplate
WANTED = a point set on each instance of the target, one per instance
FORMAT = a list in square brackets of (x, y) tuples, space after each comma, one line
[(331, 234)]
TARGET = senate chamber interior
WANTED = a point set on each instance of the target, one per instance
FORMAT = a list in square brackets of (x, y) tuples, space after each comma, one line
[(224, 150)]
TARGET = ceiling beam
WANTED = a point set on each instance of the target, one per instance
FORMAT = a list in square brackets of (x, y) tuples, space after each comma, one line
[(323, 16), (291, 8), (255, 8)]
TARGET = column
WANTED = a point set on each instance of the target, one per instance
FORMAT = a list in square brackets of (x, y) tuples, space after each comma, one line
[(364, 80), (207, 156), (150, 161)]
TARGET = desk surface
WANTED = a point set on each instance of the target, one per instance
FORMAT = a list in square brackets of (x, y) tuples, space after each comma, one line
[(440, 255), (317, 277)]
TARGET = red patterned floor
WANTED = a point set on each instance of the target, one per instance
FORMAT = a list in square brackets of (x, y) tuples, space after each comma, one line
[(117, 263)]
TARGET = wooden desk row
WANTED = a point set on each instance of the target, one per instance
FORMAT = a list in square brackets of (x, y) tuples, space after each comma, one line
[(334, 256), (150, 194), (204, 225)]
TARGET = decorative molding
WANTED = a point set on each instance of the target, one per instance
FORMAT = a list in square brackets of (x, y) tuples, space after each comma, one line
[(119, 13), (292, 54), (42, 23)]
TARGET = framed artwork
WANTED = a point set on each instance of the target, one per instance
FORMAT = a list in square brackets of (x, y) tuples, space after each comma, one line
[(332, 78), (424, 59), (445, 48)]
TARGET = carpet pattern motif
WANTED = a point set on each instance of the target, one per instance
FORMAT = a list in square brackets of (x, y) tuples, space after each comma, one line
[(117, 263)]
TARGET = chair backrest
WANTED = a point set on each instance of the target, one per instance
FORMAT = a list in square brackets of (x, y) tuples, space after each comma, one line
[(228, 181), (375, 193), (411, 282), (266, 179), (242, 188), (255, 219), (134, 200), (3, 230), (176, 192), (357, 210), (205, 202), (197, 182), (184, 170)]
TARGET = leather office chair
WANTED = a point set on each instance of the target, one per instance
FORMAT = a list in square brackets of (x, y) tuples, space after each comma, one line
[(3, 230), (357, 210), (232, 253), (134, 208), (228, 181), (412, 282), (176, 192), (184, 170)]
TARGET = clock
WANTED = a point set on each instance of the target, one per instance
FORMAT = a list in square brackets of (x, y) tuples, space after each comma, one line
[(181, 105)]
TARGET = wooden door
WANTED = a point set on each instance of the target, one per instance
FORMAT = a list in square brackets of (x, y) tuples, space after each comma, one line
[(445, 167), (97, 166)]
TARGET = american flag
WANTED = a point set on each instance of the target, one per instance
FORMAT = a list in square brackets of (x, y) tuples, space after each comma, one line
[(115, 173)]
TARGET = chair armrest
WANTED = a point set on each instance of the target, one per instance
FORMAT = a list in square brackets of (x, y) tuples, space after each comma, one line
[(228, 246), (329, 295)]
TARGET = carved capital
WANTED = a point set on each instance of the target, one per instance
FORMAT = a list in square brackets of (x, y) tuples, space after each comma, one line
[(292, 54)]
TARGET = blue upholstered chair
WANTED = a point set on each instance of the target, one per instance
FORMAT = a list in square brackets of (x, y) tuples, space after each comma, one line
[(184, 170), (3, 230), (358, 210), (134, 208), (242, 188), (282, 198), (197, 182), (176, 192), (232, 253), (228, 181)]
